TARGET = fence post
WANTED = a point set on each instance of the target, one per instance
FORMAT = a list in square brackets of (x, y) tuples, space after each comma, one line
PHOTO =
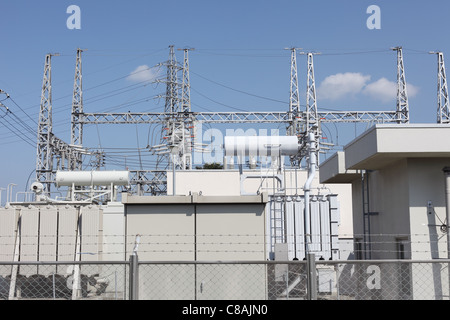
[(311, 276), (134, 277)]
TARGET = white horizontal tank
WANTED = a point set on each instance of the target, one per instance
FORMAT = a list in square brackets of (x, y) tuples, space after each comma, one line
[(261, 145), (92, 178)]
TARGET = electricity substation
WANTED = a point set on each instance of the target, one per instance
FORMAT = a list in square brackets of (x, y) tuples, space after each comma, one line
[(270, 198)]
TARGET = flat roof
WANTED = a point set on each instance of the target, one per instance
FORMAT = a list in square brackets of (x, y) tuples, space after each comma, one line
[(333, 170), (194, 198), (383, 144)]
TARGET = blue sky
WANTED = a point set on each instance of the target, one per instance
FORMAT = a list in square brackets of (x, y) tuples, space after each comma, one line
[(238, 45)]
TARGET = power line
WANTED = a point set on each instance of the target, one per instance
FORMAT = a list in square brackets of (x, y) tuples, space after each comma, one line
[(237, 90)]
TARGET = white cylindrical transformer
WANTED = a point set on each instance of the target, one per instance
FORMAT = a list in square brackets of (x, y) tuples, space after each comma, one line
[(261, 145), (92, 178)]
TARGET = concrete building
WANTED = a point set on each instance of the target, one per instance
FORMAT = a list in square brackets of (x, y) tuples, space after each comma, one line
[(398, 193)]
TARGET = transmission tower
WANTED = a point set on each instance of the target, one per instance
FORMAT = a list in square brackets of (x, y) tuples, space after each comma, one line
[(295, 118), (186, 84), (77, 109), (175, 135), (294, 101), (402, 96), (312, 121), (44, 158), (189, 123), (443, 112)]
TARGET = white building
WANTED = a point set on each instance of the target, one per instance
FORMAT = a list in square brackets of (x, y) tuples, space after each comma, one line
[(399, 200)]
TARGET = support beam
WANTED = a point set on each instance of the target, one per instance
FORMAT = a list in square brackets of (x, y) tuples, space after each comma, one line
[(237, 117)]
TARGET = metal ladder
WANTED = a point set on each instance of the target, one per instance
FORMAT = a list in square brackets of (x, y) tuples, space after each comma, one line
[(277, 218)]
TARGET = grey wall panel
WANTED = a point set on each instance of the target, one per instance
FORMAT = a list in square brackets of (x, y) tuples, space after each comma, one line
[(29, 228), (314, 219), (8, 227), (48, 229), (230, 232), (90, 235), (167, 231), (290, 230), (114, 232), (299, 222), (67, 231), (325, 230), (231, 281), (167, 282)]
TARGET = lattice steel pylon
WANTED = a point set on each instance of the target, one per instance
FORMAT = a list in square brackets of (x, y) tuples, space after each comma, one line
[(176, 135), (44, 157), (443, 112), (294, 100), (188, 120), (186, 83), (77, 109), (402, 95), (294, 127), (312, 119)]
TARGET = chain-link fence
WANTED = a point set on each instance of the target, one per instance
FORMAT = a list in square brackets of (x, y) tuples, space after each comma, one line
[(64, 280), (227, 280)]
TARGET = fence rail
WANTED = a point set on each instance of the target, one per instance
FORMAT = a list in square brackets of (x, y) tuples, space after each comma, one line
[(226, 280)]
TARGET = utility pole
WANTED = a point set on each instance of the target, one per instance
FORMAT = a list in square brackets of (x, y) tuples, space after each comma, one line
[(402, 96), (443, 112)]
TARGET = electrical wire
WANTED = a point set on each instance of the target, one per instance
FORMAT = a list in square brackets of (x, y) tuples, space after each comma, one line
[(237, 90)]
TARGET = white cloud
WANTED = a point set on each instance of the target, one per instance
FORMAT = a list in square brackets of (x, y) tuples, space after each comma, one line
[(412, 90), (350, 84), (341, 85), (142, 73), (382, 89), (385, 90)]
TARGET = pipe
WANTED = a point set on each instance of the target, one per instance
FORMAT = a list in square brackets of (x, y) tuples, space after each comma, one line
[(307, 187), (447, 206), (447, 212)]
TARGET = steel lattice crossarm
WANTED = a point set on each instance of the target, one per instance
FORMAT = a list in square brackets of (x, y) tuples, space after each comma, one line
[(358, 116), (210, 117), (148, 181), (234, 117)]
